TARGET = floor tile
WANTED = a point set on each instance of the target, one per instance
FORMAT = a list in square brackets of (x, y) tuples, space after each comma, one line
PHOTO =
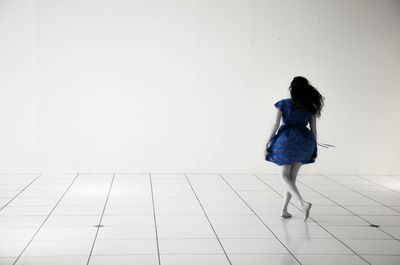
[(357, 232), (128, 210), (78, 210), (66, 233), (59, 260), (26, 211), (298, 231), (128, 220), (339, 220), (397, 208), (7, 261), (126, 232), (389, 201), (392, 230), (244, 220), (125, 247), (179, 210), (39, 248), (273, 210), (17, 233), (315, 246), (190, 246), (356, 201), (120, 200), (171, 232), (382, 260), (231, 210), (11, 248), (374, 246), (313, 259), (275, 219), (263, 259), (383, 220), (21, 221), (372, 210), (32, 202), (253, 246), (215, 259), (187, 220), (124, 260), (72, 220), (242, 231), (329, 210)]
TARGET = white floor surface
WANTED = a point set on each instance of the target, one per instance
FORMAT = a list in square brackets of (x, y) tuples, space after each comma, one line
[(196, 219)]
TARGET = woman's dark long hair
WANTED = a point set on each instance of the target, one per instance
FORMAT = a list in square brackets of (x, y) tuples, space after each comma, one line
[(305, 96)]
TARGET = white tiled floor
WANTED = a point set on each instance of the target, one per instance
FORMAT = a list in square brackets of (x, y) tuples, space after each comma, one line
[(180, 219)]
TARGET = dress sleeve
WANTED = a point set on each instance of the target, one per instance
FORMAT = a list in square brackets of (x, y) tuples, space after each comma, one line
[(280, 105)]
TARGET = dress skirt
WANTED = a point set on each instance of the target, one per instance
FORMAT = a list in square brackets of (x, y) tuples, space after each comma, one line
[(292, 143)]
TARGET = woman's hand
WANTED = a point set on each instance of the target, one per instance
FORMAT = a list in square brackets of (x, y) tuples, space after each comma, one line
[(266, 149)]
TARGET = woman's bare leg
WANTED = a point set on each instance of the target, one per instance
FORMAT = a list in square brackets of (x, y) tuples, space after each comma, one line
[(294, 170), (290, 183), (286, 199), (287, 195)]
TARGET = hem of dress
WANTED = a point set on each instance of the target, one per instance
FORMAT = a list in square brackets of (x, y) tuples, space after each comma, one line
[(289, 163)]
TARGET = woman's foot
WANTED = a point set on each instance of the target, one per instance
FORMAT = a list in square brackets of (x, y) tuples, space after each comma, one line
[(285, 214), (306, 210)]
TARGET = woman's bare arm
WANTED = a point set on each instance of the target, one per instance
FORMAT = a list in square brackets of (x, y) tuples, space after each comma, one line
[(275, 125), (313, 126)]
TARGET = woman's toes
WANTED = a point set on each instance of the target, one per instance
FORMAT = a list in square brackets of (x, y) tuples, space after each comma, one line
[(306, 210)]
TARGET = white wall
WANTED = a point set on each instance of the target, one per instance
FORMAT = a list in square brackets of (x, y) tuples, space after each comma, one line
[(189, 86)]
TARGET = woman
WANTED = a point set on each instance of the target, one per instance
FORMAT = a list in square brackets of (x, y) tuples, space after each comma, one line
[(294, 144)]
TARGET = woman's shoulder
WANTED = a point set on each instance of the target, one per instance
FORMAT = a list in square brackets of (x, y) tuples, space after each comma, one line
[(284, 100), (281, 104)]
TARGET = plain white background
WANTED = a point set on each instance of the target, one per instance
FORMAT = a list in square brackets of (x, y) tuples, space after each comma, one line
[(189, 86)]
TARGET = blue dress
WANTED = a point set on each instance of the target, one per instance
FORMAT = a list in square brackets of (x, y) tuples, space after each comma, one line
[(294, 141)]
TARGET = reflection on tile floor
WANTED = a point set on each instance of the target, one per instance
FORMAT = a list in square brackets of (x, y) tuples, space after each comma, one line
[(196, 219)]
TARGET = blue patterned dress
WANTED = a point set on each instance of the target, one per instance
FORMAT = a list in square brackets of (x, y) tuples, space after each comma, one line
[(294, 141)]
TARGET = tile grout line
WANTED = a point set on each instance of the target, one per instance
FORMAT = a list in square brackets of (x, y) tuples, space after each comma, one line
[(190, 238), (82, 226), (380, 185), (101, 219), (15, 196), (317, 223), (361, 194), (262, 221), (155, 219), (191, 173), (214, 254), (26, 173), (345, 209), (48, 216), (208, 219), (38, 215)]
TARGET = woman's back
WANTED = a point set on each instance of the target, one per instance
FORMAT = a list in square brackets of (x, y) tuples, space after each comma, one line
[(291, 114), (294, 142)]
